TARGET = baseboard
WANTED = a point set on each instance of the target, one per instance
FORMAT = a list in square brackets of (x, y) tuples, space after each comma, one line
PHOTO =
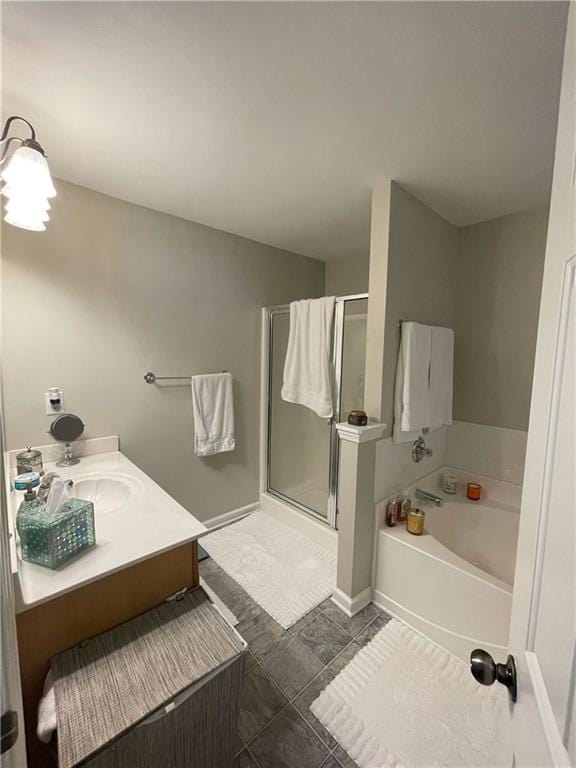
[(352, 605), (219, 521)]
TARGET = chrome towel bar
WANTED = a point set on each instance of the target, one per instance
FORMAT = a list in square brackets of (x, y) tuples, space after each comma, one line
[(151, 378)]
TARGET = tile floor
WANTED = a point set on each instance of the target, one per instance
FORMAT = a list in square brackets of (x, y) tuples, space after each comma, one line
[(285, 671)]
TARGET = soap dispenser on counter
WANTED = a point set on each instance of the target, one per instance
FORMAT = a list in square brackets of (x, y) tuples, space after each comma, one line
[(31, 501), (30, 504)]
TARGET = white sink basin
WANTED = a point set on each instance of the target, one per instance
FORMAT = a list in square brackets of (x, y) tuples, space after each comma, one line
[(108, 493)]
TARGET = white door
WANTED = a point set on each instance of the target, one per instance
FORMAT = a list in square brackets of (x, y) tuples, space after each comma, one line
[(542, 726)]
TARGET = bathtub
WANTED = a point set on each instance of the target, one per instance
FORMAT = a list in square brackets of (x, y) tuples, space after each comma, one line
[(453, 583)]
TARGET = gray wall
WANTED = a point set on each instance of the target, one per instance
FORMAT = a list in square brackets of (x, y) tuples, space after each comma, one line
[(482, 280), (112, 290), (422, 256), (348, 275), (498, 281)]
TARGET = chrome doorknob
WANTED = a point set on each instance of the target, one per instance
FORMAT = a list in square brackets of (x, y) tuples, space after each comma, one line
[(486, 671)]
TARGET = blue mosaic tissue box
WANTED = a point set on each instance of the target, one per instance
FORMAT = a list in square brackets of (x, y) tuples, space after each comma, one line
[(53, 539)]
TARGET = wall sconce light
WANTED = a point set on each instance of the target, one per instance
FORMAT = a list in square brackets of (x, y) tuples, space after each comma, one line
[(27, 181)]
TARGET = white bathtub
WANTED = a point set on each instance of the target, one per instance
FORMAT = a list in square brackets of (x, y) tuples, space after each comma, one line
[(454, 583)]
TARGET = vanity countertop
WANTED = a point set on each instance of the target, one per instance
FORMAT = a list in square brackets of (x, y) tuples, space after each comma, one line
[(139, 520)]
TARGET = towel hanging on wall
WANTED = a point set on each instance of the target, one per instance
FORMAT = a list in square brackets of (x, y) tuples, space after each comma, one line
[(213, 406), (307, 371), (441, 376), (424, 380), (411, 397)]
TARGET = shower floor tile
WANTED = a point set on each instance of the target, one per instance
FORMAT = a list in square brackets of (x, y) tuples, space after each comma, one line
[(287, 670)]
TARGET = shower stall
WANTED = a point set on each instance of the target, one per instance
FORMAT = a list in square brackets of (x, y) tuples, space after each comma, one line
[(299, 465)]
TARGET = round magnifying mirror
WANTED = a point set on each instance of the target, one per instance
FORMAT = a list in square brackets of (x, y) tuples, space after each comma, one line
[(66, 428)]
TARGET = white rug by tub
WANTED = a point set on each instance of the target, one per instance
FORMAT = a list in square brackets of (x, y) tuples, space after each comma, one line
[(283, 571), (404, 701)]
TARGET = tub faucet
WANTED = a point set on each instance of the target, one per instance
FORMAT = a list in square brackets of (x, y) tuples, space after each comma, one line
[(427, 496)]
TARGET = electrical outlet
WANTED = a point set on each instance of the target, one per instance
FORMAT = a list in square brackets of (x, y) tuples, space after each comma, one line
[(54, 401)]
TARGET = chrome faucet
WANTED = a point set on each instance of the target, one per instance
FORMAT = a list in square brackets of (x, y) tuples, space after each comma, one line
[(427, 496), (419, 450)]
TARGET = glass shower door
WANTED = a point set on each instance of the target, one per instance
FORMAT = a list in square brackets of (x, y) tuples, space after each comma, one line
[(302, 456), (299, 440)]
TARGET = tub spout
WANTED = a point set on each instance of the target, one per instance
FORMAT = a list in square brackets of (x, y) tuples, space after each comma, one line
[(427, 496)]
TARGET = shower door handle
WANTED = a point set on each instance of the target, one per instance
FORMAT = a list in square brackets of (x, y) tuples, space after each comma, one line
[(486, 671)]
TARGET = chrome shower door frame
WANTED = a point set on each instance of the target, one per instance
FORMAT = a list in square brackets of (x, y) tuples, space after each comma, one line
[(336, 362)]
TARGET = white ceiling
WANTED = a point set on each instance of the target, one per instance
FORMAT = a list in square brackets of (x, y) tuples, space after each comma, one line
[(273, 120)]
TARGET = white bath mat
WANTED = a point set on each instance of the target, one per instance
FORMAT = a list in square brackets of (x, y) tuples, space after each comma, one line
[(283, 571), (404, 701)]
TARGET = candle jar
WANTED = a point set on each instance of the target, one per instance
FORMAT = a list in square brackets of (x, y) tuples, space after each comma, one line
[(449, 483), (473, 491), (358, 418), (415, 521)]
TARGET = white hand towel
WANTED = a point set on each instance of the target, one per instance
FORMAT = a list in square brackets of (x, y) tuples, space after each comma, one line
[(213, 405), (441, 377), (307, 370), (412, 395)]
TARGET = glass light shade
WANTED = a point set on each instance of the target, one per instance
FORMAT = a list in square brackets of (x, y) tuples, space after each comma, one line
[(25, 210), (29, 170), (26, 213), (34, 225), (32, 206), (21, 193)]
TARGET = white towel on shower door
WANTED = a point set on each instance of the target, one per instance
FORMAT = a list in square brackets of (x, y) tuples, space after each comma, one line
[(213, 406), (441, 376), (412, 393), (307, 372)]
